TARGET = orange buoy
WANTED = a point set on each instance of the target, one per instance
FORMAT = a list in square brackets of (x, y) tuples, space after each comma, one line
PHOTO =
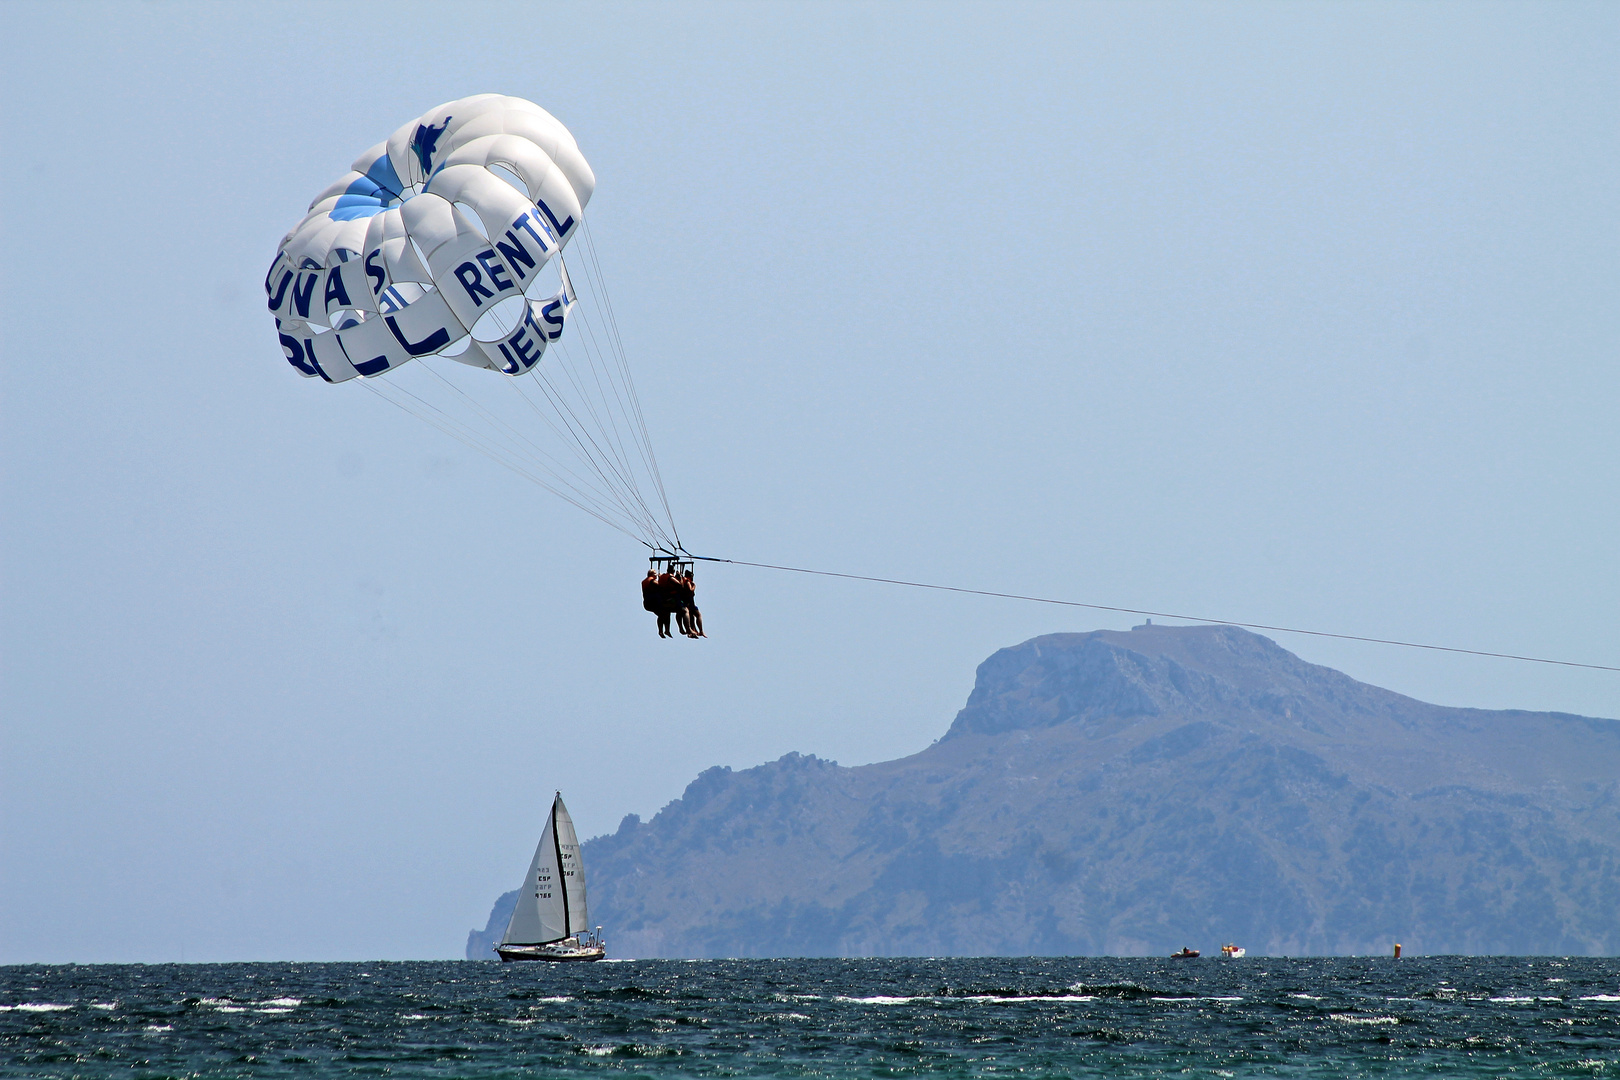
[(1397, 950)]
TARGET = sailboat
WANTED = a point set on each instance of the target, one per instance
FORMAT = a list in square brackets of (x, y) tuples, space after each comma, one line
[(549, 922)]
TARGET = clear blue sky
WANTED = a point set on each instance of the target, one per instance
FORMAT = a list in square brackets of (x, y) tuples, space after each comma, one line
[(1291, 313)]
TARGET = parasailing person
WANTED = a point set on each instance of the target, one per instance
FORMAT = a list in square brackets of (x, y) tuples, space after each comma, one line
[(694, 617), (653, 599)]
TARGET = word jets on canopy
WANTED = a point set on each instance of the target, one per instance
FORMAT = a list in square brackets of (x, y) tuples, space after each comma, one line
[(432, 244)]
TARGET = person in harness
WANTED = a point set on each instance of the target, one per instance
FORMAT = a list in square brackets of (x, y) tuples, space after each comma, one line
[(671, 603), (654, 598), (694, 617)]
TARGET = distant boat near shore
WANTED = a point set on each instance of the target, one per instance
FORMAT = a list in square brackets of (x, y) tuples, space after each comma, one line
[(1185, 954), (1231, 952), (550, 918)]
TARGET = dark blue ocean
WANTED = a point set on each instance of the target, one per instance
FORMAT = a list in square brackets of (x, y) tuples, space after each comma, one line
[(1440, 1016)]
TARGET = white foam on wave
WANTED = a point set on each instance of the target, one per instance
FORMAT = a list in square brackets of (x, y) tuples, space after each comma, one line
[(286, 1003), (1305, 997), (1600, 997), (1515, 1000), (992, 999), (35, 1006), (552, 1000), (522, 1021), (158, 1029), (1033, 997), (597, 1051), (273, 1012), (1351, 1018), (104, 1004)]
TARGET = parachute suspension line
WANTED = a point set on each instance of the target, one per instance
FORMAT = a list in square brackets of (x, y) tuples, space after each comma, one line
[(618, 462), (1161, 614), (610, 430), (599, 284), (573, 432), (456, 431), (436, 417), (561, 486), (536, 457), (566, 434), (600, 280), (600, 405), (499, 425)]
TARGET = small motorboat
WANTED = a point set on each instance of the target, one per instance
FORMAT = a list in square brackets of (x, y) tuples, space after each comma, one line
[(1185, 954), (1232, 951)]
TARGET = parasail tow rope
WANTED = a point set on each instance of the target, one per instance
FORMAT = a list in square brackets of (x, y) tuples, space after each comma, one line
[(1159, 614)]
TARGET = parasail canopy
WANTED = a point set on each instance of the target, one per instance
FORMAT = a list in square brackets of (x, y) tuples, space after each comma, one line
[(432, 244), (445, 242)]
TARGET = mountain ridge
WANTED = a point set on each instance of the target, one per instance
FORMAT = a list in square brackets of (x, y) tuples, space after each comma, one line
[(1126, 792)]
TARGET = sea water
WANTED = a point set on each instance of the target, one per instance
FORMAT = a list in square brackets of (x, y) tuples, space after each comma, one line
[(1039, 1017)]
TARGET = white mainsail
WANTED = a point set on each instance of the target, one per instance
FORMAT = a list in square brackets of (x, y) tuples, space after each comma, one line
[(551, 903)]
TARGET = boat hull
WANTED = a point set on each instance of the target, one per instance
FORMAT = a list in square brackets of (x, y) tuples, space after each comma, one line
[(556, 952)]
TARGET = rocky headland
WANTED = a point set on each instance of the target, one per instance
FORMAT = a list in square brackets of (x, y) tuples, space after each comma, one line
[(1128, 792)]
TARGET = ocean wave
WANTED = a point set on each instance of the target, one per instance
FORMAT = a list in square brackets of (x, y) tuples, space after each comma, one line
[(1352, 1018)]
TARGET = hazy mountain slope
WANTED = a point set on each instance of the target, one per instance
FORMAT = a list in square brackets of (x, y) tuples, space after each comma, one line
[(1129, 792)]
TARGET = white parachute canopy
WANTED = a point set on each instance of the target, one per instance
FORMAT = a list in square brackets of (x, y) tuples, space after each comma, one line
[(445, 242)]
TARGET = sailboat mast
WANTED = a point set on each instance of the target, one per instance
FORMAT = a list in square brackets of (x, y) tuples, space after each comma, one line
[(562, 877)]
